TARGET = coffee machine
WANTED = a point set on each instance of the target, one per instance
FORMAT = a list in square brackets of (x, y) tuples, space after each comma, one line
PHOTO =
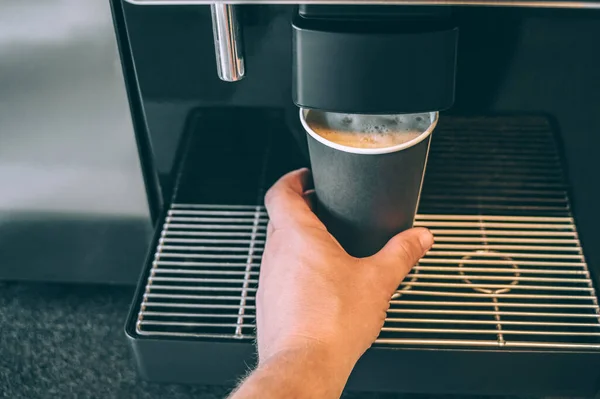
[(505, 303)]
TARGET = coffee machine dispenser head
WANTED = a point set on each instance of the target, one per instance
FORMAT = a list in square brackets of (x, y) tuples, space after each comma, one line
[(358, 59), (373, 59)]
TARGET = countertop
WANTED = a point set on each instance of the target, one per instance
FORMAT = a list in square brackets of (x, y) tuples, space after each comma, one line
[(67, 341)]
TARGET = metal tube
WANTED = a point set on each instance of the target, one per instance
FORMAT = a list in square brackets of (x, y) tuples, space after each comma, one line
[(227, 34)]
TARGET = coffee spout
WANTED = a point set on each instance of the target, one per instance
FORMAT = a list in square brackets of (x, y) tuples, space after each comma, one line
[(227, 34)]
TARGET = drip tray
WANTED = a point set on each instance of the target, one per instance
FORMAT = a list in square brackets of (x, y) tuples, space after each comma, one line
[(503, 302)]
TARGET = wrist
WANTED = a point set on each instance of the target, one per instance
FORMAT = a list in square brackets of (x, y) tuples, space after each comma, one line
[(309, 367), (312, 351)]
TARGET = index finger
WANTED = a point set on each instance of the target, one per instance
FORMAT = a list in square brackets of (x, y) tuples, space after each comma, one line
[(286, 203)]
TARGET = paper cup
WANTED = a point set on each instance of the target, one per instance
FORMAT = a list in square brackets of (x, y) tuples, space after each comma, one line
[(365, 196)]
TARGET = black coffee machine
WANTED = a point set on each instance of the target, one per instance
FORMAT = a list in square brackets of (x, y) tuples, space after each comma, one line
[(505, 302)]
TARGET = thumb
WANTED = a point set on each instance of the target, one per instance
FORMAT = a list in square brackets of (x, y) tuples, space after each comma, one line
[(400, 254)]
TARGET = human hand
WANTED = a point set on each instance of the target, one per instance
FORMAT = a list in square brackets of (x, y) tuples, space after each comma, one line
[(312, 294)]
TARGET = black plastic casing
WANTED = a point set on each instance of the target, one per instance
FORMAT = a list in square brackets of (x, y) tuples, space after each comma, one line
[(507, 62), (373, 64)]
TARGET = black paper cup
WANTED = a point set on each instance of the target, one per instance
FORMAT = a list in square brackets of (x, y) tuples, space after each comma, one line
[(365, 196)]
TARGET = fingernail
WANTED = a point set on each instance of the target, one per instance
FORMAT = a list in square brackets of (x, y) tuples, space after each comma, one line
[(425, 239)]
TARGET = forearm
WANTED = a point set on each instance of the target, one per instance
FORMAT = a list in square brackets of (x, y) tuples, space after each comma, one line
[(297, 374)]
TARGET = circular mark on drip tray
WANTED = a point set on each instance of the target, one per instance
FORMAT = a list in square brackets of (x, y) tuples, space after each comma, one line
[(486, 286)]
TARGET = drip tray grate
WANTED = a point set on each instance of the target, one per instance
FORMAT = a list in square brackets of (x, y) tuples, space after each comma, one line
[(488, 281), (497, 281), (506, 271)]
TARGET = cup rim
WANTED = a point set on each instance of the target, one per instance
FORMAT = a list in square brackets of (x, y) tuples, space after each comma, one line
[(370, 151)]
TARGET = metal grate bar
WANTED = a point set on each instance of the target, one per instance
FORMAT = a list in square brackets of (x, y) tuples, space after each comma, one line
[(468, 331), (459, 233), (505, 247), (500, 313), (208, 256), (197, 219), (496, 225), (252, 247), (494, 270), (216, 212), (147, 304), (202, 248), (213, 207), (508, 304), (500, 278), (194, 263), (207, 241), (501, 262), (215, 226), (493, 295), (405, 284), (491, 254), (197, 297), (197, 288), (195, 315), (229, 234), (200, 280), (208, 272), (484, 343)]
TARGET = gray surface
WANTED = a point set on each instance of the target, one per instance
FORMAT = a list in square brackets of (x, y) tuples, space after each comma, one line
[(68, 144), (68, 153), (66, 341)]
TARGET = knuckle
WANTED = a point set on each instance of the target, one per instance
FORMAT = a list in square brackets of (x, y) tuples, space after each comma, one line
[(408, 253), (404, 251)]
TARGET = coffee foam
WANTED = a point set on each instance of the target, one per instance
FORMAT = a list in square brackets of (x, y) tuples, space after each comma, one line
[(368, 131)]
